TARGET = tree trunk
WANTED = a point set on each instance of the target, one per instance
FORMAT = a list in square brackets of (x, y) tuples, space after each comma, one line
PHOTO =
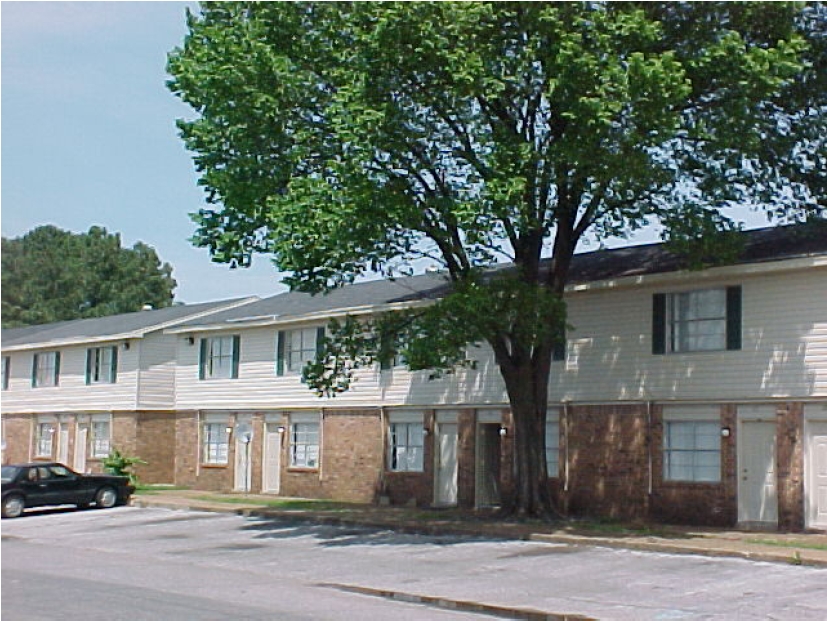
[(527, 386)]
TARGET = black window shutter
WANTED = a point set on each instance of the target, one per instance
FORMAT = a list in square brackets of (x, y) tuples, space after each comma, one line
[(320, 341), (659, 323), (34, 370), (236, 354), (89, 366), (733, 318), (202, 360), (559, 351), (114, 364), (280, 338), (57, 368)]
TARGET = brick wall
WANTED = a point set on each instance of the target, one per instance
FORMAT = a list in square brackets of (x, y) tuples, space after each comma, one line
[(18, 435), (155, 444), (710, 504), (790, 466), (607, 451), (186, 448)]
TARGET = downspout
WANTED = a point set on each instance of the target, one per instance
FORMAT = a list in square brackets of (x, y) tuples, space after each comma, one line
[(321, 445), (649, 445), (566, 452)]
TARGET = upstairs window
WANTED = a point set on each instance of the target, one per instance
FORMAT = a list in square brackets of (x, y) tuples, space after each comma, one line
[(295, 348), (46, 369), (219, 357), (101, 365), (701, 320)]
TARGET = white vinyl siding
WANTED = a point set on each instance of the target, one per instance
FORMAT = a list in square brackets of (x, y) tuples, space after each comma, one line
[(407, 447), (304, 444), (215, 443), (553, 444), (697, 320), (101, 365), (692, 451), (45, 369)]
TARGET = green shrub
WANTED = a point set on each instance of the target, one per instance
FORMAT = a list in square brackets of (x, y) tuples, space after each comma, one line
[(119, 464)]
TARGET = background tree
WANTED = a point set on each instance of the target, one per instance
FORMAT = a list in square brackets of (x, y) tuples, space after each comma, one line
[(54, 275), (342, 139)]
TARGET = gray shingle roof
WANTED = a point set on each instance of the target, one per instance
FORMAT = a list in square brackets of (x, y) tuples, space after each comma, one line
[(769, 244), (114, 326)]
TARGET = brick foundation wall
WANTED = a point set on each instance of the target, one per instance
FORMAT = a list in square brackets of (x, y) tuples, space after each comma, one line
[(709, 504), (18, 435), (413, 487), (186, 448), (607, 452), (155, 444), (790, 466)]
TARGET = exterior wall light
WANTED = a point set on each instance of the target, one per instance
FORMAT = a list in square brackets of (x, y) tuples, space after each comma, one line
[(725, 432), (281, 429), (503, 431)]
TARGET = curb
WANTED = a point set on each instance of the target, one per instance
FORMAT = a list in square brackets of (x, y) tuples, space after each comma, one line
[(527, 614), (791, 556)]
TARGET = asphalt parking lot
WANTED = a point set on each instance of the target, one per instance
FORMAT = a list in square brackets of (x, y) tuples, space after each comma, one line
[(151, 563)]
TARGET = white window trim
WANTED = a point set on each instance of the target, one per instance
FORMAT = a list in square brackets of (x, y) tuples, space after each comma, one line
[(220, 456), (304, 419), (673, 325), (407, 455), (694, 451), (94, 452), (39, 436), (304, 349)]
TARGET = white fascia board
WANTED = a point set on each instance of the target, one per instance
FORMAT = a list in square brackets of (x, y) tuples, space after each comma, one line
[(288, 320), (666, 278), (712, 273), (123, 336)]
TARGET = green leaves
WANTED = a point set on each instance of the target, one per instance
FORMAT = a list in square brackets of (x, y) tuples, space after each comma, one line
[(54, 275)]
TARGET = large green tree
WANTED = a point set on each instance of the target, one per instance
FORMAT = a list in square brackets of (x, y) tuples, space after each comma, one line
[(50, 274), (347, 138)]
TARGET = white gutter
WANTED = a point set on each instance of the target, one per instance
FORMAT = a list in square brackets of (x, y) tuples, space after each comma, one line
[(124, 336)]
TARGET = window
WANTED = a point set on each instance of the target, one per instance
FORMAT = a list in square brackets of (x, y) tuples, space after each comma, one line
[(6, 371), (45, 369), (101, 365), (702, 320), (553, 444), (216, 443), (219, 357), (692, 451), (296, 348), (100, 438), (304, 444), (45, 433), (406, 447)]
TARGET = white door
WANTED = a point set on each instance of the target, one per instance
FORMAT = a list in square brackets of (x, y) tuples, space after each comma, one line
[(243, 433), (446, 466), (757, 488), (271, 472), (63, 444), (81, 442), (816, 475)]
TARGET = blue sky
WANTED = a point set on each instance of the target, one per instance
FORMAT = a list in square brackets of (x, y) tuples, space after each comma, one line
[(89, 138)]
